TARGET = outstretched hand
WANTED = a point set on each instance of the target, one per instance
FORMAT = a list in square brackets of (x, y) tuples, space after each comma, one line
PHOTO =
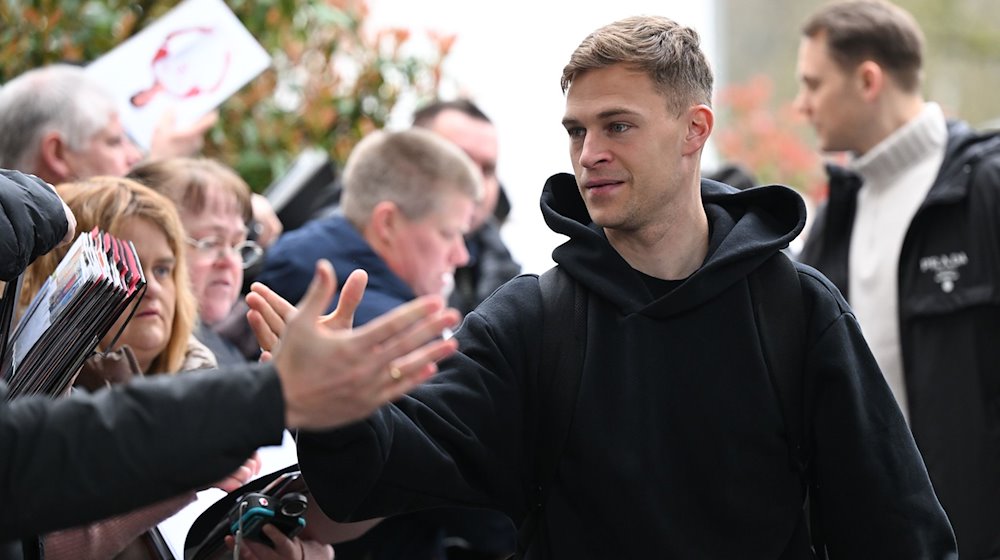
[(269, 312), (334, 376)]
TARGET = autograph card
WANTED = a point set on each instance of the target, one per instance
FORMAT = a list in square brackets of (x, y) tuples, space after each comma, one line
[(190, 60)]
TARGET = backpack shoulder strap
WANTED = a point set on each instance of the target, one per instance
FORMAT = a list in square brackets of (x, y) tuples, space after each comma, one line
[(564, 305), (781, 325), (779, 311)]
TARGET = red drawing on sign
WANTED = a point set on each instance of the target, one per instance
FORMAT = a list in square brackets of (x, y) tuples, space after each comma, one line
[(190, 62)]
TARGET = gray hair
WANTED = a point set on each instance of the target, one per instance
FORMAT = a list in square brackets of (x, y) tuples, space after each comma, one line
[(57, 98), (413, 168)]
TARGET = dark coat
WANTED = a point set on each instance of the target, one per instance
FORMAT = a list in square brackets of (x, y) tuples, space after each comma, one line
[(949, 324), (291, 263), (83, 458), (32, 221), (490, 265)]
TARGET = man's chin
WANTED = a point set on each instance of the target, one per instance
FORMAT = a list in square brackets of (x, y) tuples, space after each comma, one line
[(830, 147)]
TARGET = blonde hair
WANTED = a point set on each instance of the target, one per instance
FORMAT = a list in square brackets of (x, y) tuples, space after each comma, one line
[(106, 203), (666, 51)]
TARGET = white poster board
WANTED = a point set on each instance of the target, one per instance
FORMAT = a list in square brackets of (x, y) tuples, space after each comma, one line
[(191, 60)]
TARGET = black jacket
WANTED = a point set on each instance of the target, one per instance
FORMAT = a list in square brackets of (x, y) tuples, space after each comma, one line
[(676, 449), (949, 320), (83, 458), (490, 265), (32, 221)]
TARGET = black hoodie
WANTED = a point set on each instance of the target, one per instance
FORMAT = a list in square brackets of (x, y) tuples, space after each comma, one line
[(676, 449)]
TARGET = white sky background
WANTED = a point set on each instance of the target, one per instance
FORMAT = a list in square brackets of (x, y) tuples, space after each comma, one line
[(508, 58)]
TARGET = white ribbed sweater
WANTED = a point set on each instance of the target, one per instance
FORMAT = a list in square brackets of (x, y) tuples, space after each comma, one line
[(897, 173)]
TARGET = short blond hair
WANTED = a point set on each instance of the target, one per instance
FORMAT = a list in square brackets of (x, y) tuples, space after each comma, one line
[(666, 51), (413, 168)]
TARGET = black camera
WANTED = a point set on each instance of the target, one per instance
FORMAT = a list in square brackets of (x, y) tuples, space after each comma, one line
[(254, 510), (278, 499)]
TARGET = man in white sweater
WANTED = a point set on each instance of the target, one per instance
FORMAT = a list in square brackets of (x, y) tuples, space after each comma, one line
[(909, 235)]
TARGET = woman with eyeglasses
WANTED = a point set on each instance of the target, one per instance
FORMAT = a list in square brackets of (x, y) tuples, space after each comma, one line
[(214, 205), (215, 208)]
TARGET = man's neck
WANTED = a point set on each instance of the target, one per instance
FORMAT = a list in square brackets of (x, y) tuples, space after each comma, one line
[(671, 249), (46, 173), (893, 113)]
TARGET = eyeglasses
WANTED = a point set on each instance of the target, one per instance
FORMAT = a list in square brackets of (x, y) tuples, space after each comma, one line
[(217, 247)]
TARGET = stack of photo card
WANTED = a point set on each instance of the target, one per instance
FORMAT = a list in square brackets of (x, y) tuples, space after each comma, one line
[(98, 280)]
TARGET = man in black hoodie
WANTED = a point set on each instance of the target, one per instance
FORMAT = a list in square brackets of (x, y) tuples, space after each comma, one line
[(909, 235), (676, 448)]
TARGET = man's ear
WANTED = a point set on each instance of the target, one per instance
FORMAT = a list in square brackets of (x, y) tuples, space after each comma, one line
[(871, 79), (383, 224), (700, 120), (53, 165)]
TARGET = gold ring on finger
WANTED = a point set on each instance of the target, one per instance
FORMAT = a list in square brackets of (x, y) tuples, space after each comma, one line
[(395, 373)]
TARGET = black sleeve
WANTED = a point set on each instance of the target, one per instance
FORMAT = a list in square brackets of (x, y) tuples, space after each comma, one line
[(71, 461), (32, 221), (455, 440), (873, 492)]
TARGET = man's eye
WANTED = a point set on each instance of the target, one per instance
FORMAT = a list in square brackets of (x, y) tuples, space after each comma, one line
[(576, 132), (619, 127)]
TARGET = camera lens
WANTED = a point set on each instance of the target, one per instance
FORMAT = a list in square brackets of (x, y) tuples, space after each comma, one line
[(293, 505)]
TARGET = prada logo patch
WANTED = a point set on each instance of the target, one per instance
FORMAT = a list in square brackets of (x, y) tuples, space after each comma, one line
[(945, 268)]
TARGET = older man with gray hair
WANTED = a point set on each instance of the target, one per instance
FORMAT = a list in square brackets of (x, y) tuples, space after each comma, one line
[(67, 126)]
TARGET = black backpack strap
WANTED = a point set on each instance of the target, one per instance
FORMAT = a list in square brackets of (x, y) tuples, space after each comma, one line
[(777, 301), (564, 306), (779, 310)]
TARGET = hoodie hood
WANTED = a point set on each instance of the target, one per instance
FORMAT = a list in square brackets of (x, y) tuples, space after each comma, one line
[(745, 228)]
